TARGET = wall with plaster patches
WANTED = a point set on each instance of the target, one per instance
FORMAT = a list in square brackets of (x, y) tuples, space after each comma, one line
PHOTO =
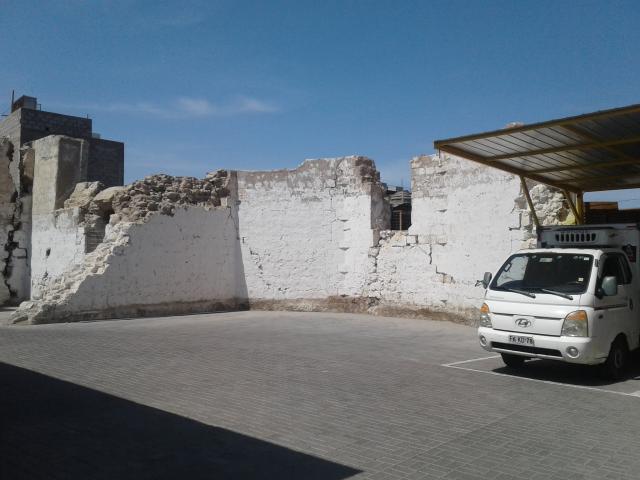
[(312, 238), (188, 262), (58, 244), (466, 219), (305, 233)]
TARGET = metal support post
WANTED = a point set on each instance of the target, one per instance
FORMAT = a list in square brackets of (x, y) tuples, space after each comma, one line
[(527, 195)]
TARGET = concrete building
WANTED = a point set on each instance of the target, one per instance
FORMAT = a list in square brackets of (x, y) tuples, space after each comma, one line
[(26, 123)]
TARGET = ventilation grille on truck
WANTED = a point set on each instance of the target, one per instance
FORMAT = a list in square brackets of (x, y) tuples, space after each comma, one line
[(574, 237)]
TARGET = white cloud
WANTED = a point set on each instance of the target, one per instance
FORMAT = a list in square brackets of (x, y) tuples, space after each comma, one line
[(253, 105), (182, 108), (197, 107)]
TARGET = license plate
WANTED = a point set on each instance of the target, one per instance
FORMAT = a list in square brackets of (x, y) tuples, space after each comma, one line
[(518, 340)]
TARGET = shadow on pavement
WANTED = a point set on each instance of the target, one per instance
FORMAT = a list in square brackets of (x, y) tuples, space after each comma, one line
[(583, 375), (55, 429)]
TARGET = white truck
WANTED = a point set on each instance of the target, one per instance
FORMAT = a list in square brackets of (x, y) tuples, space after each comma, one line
[(574, 298)]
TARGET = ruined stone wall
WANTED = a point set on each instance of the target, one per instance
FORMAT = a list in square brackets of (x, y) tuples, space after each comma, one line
[(189, 262), (15, 223), (466, 219), (312, 238), (171, 247), (305, 233), (58, 244), (57, 239), (7, 212)]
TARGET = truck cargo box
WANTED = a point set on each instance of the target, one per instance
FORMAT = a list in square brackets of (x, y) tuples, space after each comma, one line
[(619, 235)]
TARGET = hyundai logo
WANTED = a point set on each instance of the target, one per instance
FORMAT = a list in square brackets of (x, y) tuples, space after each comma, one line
[(523, 322)]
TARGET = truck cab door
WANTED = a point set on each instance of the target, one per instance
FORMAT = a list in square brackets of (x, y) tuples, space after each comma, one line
[(616, 314)]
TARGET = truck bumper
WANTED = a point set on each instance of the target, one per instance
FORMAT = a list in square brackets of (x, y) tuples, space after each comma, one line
[(569, 349)]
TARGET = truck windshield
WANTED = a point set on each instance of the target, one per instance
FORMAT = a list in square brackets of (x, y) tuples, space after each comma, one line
[(566, 273)]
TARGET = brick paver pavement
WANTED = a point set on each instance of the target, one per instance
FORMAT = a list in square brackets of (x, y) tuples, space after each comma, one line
[(292, 395)]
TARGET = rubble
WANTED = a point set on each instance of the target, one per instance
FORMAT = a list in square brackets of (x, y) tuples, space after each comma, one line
[(163, 193), (155, 193), (82, 194)]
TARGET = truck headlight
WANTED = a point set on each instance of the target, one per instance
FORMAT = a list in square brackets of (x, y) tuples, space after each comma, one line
[(485, 318), (576, 324)]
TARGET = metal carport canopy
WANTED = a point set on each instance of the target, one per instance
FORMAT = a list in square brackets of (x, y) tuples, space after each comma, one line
[(592, 152)]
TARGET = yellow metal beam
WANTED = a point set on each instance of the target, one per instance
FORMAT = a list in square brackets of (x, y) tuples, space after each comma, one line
[(572, 206), (581, 208), (525, 189)]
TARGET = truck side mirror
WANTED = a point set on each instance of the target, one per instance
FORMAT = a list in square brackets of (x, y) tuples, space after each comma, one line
[(487, 279), (609, 286)]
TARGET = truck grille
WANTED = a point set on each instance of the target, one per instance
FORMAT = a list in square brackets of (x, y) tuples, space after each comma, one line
[(576, 237)]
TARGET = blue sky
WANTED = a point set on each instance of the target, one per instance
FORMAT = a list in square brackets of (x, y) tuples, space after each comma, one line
[(194, 86)]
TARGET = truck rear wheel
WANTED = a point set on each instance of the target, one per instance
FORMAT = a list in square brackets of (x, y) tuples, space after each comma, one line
[(513, 361), (615, 366)]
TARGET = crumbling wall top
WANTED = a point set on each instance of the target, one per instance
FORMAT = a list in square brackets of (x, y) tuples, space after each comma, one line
[(354, 173)]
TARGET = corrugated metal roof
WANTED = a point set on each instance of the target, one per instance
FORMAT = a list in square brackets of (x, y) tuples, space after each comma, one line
[(592, 152)]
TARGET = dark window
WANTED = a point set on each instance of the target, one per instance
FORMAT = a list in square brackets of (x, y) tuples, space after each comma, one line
[(615, 265)]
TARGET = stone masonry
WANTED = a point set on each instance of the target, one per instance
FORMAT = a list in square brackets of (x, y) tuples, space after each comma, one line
[(311, 238), (467, 218), (129, 210), (16, 176)]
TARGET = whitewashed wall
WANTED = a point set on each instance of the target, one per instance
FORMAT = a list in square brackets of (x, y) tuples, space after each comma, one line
[(312, 238), (58, 244), (466, 219), (169, 264), (305, 233)]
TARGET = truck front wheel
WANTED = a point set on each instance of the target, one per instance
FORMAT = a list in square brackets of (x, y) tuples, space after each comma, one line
[(513, 361), (616, 363)]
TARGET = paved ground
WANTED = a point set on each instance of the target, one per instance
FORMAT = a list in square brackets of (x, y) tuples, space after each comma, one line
[(261, 395)]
